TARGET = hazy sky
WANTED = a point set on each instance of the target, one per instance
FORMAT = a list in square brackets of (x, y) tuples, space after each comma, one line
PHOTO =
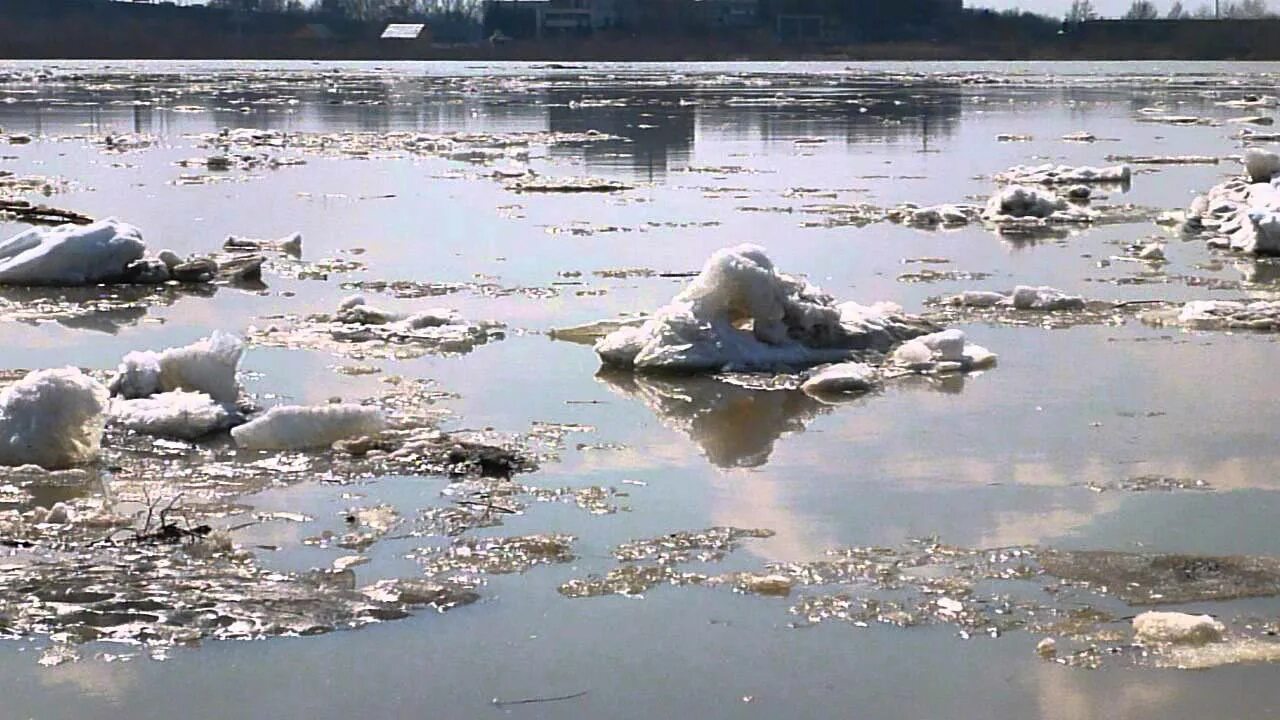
[(1059, 7)]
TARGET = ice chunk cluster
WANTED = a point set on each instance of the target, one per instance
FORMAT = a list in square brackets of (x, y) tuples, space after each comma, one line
[(70, 254), (1243, 213), (299, 427), (207, 366), (52, 418), (1261, 315), (740, 313)]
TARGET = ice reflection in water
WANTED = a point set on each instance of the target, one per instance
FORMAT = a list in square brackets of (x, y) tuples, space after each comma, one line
[(1014, 460)]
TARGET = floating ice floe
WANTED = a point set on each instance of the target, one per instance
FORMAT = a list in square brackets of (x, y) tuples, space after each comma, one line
[(52, 418), (1023, 297), (1261, 315), (298, 427), (933, 216), (942, 352), (1177, 628), (1242, 214), (741, 314), (1019, 203), (176, 414), (1065, 175), (363, 329), (289, 244), (851, 378), (71, 254), (207, 366)]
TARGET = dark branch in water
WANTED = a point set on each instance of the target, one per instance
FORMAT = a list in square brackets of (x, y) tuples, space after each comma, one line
[(531, 701)]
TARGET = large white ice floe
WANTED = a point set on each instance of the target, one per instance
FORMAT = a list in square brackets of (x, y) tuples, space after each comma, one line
[(301, 427), (941, 352), (741, 314), (207, 366), (1177, 628), (177, 414), (52, 418), (70, 254), (1050, 174), (852, 378), (1243, 213)]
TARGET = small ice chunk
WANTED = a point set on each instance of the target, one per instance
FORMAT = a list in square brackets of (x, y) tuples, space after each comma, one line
[(52, 418), (1025, 297), (299, 427), (1152, 252), (435, 317), (1261, 165), (1177, 628), (70, 254), (841, 379), (1019, 201), (977, 298), (948, 350), (1047, 647), (207, 366), (177, 414)]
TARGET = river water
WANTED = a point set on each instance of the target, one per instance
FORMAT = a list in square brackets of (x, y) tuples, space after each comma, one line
[(1040, 452)]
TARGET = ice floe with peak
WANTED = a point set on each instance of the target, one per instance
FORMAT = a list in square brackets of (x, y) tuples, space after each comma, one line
[(207, 366), (101, 252), (741, 314)]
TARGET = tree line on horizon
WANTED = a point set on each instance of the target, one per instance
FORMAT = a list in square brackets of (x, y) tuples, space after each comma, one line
[(376, 10)]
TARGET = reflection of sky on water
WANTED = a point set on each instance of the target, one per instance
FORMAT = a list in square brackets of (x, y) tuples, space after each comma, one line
[(1002, 458)]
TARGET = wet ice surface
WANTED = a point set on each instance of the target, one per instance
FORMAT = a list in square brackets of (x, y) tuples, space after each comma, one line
[(669, 546)]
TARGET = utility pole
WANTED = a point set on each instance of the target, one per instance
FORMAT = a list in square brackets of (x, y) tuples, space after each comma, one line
[(1217, 9)]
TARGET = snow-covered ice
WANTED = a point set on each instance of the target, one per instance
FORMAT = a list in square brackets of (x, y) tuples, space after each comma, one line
[(740, 313), (1177, 628), (177, 414), (70, 254), (842, 379), (946, 351), (299, 427), (52, 418), (207, 366), (1051, 174)]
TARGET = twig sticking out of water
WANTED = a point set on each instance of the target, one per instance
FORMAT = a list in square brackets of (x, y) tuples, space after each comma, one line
[(532, 701)]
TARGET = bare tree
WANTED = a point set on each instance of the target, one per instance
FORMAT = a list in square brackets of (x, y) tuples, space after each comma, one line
[(1177, 12), (1081, 10), (1142, 10)]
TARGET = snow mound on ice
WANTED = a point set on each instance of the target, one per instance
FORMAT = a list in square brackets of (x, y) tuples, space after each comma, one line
[(52, 418), (1177, 628), (946, 351), (178, 414), (70, 254), (207, 366), (740, 313), (299, 427)]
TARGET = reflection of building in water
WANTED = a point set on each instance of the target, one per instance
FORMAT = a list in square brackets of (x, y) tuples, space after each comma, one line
[(858, 115), (658, 129)]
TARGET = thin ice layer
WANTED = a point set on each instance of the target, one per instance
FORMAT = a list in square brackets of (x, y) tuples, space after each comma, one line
[(52, 418)]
